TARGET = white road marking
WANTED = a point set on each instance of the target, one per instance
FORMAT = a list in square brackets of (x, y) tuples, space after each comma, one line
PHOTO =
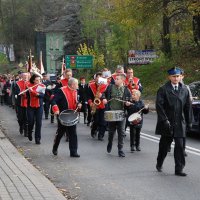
[(155, 139)]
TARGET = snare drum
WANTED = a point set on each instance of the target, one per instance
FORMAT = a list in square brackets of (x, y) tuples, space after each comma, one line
[(114, 115), (135, 118), (68, 118)]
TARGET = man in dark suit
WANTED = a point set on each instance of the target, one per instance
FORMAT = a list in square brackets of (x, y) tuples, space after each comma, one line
[(173, 106), (82, 92)]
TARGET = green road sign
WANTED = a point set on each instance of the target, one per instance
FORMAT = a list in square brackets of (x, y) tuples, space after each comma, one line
[(75, 62)]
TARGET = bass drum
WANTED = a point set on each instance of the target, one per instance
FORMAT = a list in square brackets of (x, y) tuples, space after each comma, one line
[(135, 118), (68, 118)]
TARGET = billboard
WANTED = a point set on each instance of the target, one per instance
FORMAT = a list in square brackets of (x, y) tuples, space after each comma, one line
[(140, 57)]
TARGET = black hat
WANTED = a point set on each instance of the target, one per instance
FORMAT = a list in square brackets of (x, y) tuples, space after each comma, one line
[(44, 74)]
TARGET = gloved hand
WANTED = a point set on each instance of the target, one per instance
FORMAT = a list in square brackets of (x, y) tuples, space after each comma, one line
[(167, 124), (167, 128)]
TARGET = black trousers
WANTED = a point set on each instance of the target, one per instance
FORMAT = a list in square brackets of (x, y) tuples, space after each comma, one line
[(35, 118), (134, 136), (73, 140), (99, 122), (179, 157), (22, 118), (1, 99), (89, 115), (46, 108), (120, 127)]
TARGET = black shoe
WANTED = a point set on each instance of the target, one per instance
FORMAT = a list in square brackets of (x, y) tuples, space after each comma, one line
[(93, 134), (185, 154), (67, 139), (169, 149), (55, 152), (30, 137), (85, 122), (37, 141), (75, 155), (88, 124), (100, 138), (21, 131), (46, 117), (177, 173), (132, 148), (25, 134), (52, 121), (109, 147), (138, 148), (159, 169), (121, 153)]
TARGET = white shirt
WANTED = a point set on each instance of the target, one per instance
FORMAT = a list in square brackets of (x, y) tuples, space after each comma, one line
[(173, 85)]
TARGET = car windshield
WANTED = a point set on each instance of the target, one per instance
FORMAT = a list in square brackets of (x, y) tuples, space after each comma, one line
[(195, 88)]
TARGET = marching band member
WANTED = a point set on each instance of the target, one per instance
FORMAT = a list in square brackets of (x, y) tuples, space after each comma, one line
[(136, 125), (21, 103), (35, 107), (119, 70), (67, 75), (131, 81), (47, 95), (95, 91), (121, 92), (66, 98)]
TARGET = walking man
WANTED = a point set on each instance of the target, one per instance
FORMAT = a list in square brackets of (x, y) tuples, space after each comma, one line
[(174, 111)]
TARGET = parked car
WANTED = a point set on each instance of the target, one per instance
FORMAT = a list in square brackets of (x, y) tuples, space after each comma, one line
[(195, 90)]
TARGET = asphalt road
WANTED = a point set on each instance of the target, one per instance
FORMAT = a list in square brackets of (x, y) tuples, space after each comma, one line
[(97, 175)]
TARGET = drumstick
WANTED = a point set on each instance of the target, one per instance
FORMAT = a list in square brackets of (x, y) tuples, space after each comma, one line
[(123, 101), (110, 100), (76, 110), (142, 109)]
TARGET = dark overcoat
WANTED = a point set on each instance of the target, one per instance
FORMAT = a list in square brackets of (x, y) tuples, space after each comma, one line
[(175, 107)]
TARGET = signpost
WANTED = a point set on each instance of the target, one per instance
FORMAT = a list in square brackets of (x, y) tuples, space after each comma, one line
[(139, 57), (78, 62)]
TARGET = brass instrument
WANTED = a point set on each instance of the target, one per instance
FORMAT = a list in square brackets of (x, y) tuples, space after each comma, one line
[(96, 101)]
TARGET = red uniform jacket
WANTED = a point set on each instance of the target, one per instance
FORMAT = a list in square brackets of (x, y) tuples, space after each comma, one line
[(64, 99), (35, 98), (92, 93), (22, 99), (130, 85), (64, 82)]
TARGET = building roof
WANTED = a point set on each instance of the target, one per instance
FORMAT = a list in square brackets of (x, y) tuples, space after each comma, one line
[(62, 24)]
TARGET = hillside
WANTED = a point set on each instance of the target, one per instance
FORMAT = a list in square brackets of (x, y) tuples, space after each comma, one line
[(154, 75)]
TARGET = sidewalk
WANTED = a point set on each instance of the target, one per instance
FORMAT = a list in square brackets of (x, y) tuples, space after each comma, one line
[(19, 179)]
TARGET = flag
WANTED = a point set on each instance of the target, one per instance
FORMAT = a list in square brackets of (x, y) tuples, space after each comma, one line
[(63, 68), (29, 62), (41, 66)]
